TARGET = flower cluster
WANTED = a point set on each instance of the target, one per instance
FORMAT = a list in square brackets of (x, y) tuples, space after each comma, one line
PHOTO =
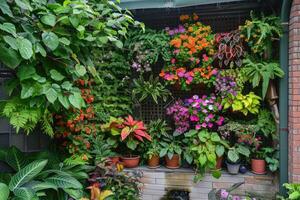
[(181, 75), (224, 195), (225, 85), (179, 29), (180, 116), (204, 111), (141, 59)]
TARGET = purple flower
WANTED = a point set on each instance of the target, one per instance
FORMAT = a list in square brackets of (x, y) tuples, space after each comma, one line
[(224, 194), (236, 198)]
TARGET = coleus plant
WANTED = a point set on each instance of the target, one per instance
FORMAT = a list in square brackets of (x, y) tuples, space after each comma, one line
[(230, 49)]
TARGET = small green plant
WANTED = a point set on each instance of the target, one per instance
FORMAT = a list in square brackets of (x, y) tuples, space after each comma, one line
[(266, 123), (158, 129), (234, 153), (153, 149), (102, 149), (293, 191), (243, 103), (204, 148), (257, 72), (152, 88), (170, 148), (272, 158)]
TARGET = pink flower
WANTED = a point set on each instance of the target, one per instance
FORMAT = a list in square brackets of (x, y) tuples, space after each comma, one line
[(210, 116), (224, 194), (192, 59), (176, 51), (194, 118), (220, 121), (210, 125), (204, 125), (198, 126), (236, 198), (173, 60), (205, 58)]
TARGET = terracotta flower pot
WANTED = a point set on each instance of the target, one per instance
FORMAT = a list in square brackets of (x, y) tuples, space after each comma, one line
[(258, 166), (130, 161), (114, 159), (219, 162), (172, 163), (153, 162)]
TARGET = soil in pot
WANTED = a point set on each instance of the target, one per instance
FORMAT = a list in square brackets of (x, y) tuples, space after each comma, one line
[(153, 162), (131, 161), (258, 166), (219, 162), (233, 168), (172, 163)]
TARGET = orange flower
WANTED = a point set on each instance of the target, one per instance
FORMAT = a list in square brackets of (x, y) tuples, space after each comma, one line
[(176, 42), (195, 17), (162, 73), (184, 37), (184, 17)]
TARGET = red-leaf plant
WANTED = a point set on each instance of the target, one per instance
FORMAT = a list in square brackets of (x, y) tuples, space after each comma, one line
[(230, 48), (133, 132)]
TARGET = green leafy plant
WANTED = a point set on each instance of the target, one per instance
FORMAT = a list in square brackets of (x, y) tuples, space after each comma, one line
[(293, 191), (258, 72), (234, 153), (153, 149), (205, 147), (243, 103), (102, 149), (146, 47), (41, 178), (266, 123), (49, 50), (169, 147), (259, 32), (152, 88), (272, 158)]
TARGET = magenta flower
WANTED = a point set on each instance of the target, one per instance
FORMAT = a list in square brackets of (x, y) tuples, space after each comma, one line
[(210, 125), (198, 126), (194, 118), (204, 125), (210, 116)]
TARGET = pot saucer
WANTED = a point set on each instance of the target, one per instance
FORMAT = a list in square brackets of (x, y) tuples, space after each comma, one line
[(263, 173), (173, 167), (158, 166)]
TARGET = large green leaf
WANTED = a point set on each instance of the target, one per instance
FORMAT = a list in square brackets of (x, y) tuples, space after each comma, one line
[(76, 100), (4, 7), (48, 20), (15, 158), (26, 174), (80, 70), (51, 40), (24, 4), (25, 48), (9, 28), (233, 156), (24, 193), (11, 41), (9, 57), (63, 181), (51, 95), (4, 191), (64, 101), (26, 72), (55, 75)]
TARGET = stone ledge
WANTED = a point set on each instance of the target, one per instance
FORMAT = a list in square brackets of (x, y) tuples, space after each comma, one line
[(158, 181)]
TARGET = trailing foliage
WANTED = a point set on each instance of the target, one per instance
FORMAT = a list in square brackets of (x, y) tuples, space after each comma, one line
[(48, 45)]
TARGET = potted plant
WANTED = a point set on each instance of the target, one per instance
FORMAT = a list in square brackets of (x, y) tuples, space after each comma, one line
[(132, 132), (171, 151), (153, 154), (234, 157), (205, 148), (258, 163)]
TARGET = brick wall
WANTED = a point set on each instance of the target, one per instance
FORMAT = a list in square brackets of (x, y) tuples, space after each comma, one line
[(158, 182), (294, 93)]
